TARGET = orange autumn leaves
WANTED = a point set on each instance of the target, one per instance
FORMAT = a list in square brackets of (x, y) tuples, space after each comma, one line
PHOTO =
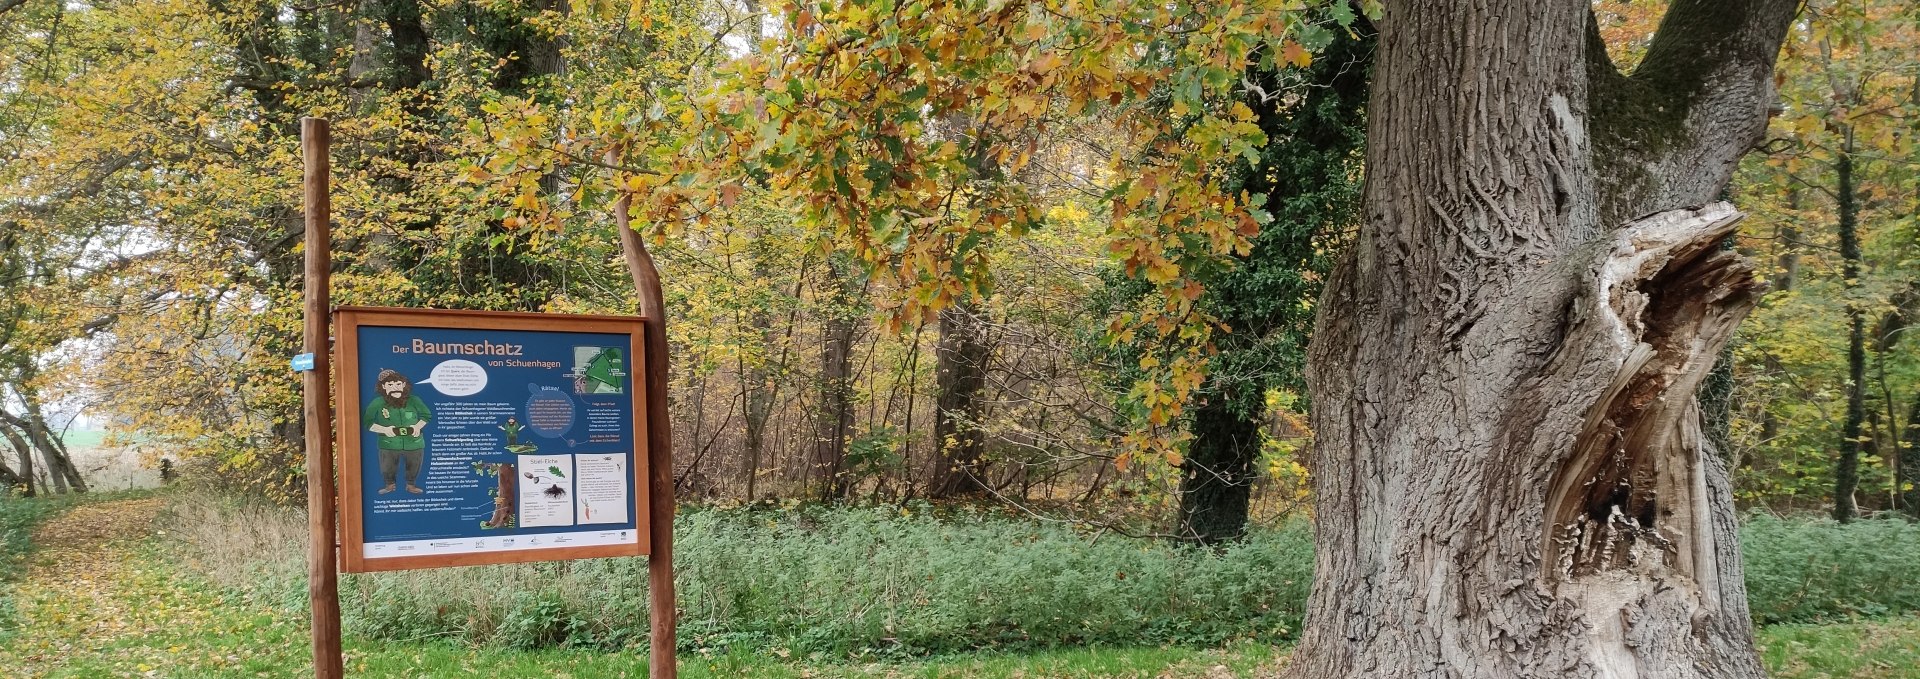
[(907, 132)]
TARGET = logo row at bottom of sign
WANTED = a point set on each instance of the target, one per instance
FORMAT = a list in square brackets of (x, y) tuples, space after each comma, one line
[(377, 550)]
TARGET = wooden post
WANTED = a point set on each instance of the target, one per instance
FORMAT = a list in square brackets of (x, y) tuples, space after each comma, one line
[(661, 661), (323, 581)]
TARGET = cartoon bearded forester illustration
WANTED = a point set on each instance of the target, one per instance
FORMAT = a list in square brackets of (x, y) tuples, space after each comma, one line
[(398, 417)]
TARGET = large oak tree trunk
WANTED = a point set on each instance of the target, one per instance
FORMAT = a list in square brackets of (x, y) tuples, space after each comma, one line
[(1511, 476)]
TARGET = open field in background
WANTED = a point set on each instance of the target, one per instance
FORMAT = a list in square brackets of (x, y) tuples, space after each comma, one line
[(106, 595), (110, 465)]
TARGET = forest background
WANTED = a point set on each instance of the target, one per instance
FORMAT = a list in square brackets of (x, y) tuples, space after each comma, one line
[(989, 276), (1059, 259)]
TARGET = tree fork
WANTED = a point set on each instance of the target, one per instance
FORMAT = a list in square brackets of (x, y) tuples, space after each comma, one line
[(1513, 345)]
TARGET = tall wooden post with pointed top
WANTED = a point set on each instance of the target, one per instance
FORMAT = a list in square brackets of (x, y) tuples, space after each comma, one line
[(323, 580), (661, 663)]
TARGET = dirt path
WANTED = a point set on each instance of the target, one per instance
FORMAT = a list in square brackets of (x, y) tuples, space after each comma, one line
[(92, 604), (76, 584)]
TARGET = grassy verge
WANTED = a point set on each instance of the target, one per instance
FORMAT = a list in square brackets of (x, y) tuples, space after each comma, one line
[(142, 617), (1880, 649), (885, 583), (18, 517), (111, 599), (857, 583), (182, 627)]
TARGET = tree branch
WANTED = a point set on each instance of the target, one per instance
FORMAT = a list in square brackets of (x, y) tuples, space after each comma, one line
[(1669, 135), (1700, 38)]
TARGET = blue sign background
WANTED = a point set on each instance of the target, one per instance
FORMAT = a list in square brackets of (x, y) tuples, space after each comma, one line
[(464, 429)]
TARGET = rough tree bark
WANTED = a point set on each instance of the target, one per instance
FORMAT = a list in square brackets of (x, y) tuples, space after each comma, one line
[(1511, 478), (960, 378)]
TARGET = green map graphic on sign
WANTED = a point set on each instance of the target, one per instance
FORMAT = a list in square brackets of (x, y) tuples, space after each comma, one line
[(599, 370)]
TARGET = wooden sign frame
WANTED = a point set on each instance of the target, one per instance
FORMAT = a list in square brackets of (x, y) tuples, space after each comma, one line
[(347, 322), (653, 441)]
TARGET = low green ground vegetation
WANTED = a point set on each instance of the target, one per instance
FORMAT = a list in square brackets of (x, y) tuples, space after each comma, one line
[(891, 595), (877, 582)]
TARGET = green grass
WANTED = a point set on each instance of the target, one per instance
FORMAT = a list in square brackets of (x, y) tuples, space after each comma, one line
[(950, 582), (128, 608), (757, 580), (1882, 649), (1811, 570), (123, 606), (171, 624), (18, 517)]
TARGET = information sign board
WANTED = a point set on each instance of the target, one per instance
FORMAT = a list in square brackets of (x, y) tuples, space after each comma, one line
[(473, 438)]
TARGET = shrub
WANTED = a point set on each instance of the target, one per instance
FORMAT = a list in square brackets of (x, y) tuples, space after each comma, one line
[(1805, 570)]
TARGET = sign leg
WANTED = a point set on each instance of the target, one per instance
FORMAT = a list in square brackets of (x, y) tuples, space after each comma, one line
[(323, 586), (662, 663)]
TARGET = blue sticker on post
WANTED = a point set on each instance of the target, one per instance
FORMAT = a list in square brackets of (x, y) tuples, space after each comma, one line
[(302, 362)]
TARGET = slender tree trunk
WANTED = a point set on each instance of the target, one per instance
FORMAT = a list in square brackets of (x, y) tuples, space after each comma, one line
[(1887, 334), (960, 378), (759, 409), (59, 469), (25, 453), (756, 373), (56, 447), (1910, 462), (1846, 469), (1216, 479), (833, 421), (1511, 479), (1789, 260), (1785, 280), (756, 378)]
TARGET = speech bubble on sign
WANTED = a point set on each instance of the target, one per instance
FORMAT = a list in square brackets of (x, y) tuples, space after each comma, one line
[(549, 411), (458, 377)]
